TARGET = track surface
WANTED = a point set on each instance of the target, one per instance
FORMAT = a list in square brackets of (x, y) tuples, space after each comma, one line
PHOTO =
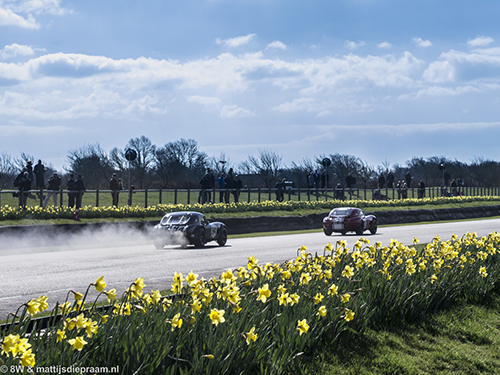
[(54, 270)]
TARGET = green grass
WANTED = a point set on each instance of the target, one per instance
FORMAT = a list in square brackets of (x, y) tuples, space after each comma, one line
[(214, 216), (464, 339)]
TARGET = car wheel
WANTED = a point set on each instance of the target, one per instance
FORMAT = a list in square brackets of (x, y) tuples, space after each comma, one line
[(222, 238), (373, 229), (200, 239), (360, 229), (159, 244), (328, 232)]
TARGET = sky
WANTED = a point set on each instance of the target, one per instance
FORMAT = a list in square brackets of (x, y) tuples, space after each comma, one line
[(382, 80)]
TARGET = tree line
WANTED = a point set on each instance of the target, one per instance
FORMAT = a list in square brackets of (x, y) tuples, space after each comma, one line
[(181, 164)]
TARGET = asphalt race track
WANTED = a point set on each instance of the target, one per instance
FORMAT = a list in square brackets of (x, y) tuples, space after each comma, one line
[(30, 272)]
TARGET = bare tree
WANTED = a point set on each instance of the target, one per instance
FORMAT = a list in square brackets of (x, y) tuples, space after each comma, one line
[(142, 166), (92, 162), (180, 163), (7, 171), (267, 166)]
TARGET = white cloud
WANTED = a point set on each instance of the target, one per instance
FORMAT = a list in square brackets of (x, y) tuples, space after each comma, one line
[(437, 91), (277, 45), (41, 7), (439, 72), (422, 43), (480, 41), (235, 111), (16, 50), (9, 18), (204, 100), (353, 45), (384, 45), (236, 42)]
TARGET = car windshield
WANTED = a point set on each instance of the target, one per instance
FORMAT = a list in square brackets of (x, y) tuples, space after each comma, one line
[(180, 219), (341, 212)]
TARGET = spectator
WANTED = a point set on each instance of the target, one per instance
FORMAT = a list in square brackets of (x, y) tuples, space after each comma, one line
[(71, 190), (279, 190), (237, 188), (446, 177), (408, 179), (229, 183), (310, 180), (53, 187), (211, 184), (222, 185), (39, 170), (114, 186), (23, 183), (421, 189), (202, 196), (339, 192), (453, 186), (80, 187), (390, 180), (324, 179), (316, 179), (381, 181)]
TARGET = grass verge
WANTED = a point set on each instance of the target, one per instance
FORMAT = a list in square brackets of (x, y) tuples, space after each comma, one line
[(463, 339)]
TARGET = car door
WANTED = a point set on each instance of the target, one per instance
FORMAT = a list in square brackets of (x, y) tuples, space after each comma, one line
[(210, 229)]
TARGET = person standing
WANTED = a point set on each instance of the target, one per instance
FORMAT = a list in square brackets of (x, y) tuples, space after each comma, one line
[(222, 186), (408, 179), (229, 183), (381, 181), (39, 170), (421, 189), (390, 180), (236, 188), (71, 190), (80, 187), (114, 186), (53, 187), (23, 183)]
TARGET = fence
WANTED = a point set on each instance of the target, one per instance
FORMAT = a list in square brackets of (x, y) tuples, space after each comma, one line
[(150, 197)]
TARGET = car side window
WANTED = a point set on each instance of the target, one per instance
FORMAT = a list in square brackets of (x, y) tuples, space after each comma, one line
[(204, 220)]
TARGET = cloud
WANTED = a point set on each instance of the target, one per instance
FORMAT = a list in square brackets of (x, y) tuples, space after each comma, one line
[(439, 72), (204, 100), (277, 45), (41, 7), (235, 111), (422, 43), (480, 41), (384, 45), (15, 50), (437, 91), (9, 18), (236, 42), (353, 45)]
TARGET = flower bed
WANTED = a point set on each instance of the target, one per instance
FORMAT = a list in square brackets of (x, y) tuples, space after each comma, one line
[(257, 318), (14, 213)]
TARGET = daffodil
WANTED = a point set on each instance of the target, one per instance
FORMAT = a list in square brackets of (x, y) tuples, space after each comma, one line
[(321, 311), (217, 316), (61, 335), (264, 293), (176, 321), (345, 298), (111, 295), (302, 326), (349, 315), (100, 284), (251, 336), (77, 343)]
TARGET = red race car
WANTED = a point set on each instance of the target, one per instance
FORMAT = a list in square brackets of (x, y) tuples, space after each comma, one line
[(349, 219)]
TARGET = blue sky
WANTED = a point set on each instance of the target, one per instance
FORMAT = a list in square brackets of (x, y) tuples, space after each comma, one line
[(384, 80)]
